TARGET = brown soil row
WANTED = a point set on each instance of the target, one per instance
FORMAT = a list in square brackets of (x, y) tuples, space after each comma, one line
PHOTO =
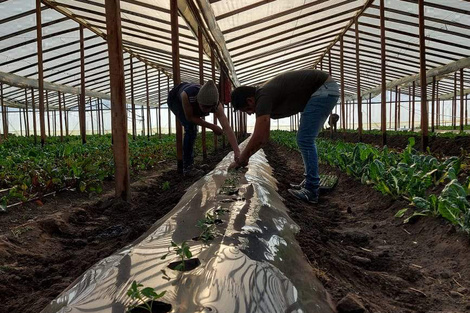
[(359, 248)]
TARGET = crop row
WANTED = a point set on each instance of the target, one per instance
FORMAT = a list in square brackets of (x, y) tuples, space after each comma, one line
[(28, 170), (405, 174)]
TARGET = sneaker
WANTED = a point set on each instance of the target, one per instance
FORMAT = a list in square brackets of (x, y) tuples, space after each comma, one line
[(299, 186), (305, 195), (193, 172)]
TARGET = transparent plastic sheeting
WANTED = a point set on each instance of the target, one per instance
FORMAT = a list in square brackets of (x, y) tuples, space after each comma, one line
[(253, 265)]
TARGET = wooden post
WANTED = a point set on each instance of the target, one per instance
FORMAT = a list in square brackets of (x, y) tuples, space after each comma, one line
[(143, 119), (102, 116), (413, 107), (341, 75), (409, 107), (147, 97), (370, 111), (422, 62), (42, 124), (66, 120), (81, 108), (169, 111), (433, 98), (213, 78), (67, 132), (20, 111), (399, 108), (118, 99), (98, 119), (91, 117), (396, 108), (26, 118), (390, 111), (466, 109), (438, 107), (461, 101), (4, 114), (48, 115), (176, 75), (358, 82), (134, 122), (201, 82), (159, 108), (383, 74), (60, 117), (454, 103), (33, 104), (55, 123)]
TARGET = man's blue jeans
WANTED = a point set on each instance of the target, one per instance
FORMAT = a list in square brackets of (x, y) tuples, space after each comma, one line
[(313, 117), (190, 134)]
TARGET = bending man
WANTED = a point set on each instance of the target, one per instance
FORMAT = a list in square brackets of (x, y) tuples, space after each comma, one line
[(190, 102), (312, 92)]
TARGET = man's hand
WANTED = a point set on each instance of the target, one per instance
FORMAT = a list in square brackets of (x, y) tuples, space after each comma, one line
[(236, 155), (238, 164), (217, 130)]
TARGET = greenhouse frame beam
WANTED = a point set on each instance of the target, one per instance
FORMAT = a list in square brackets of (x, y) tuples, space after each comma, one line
[(22, 82), (327, 50), (201, 82), (61, 8), (82, 101), (176, 77), (118, 101), (383, 67), (423, 78), (40, 72), (438, 71)]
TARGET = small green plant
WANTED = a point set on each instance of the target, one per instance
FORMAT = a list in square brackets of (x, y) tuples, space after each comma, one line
[(207, 231), (182, 251), (166, 185), (141, 297)]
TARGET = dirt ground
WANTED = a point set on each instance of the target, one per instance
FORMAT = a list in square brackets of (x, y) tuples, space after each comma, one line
[(351, 238), (44, 248), (360, 249), (438, 145)]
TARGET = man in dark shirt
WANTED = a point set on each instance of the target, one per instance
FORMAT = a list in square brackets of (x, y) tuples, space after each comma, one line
[(190, 102), (312, 92)]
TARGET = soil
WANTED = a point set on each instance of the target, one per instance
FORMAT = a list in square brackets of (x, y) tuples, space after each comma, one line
[(369, 260), (45, 246), (438, 145), (366, 258)]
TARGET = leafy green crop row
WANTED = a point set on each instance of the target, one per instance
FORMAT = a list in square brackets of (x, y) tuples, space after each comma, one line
[(27, 170), (407, 174), (408, 133)]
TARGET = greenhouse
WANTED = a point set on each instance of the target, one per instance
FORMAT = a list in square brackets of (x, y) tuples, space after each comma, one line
[(234, 156)]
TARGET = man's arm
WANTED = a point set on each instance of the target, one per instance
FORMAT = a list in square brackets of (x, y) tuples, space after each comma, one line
[(188, 113), (258, 139), (228, 130)]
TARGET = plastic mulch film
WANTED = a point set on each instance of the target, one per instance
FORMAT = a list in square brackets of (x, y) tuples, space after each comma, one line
[(253, 264)]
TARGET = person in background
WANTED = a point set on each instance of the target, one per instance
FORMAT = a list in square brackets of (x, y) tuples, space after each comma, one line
[(312, 92), (190, 102), (333, 121)]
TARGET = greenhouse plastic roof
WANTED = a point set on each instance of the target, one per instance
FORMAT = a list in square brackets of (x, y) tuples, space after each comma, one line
[(254, 39)]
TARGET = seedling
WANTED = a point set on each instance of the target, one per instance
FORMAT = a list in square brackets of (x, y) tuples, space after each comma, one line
[(141, 297), (208, 231), (182, 251), (166, 185)]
